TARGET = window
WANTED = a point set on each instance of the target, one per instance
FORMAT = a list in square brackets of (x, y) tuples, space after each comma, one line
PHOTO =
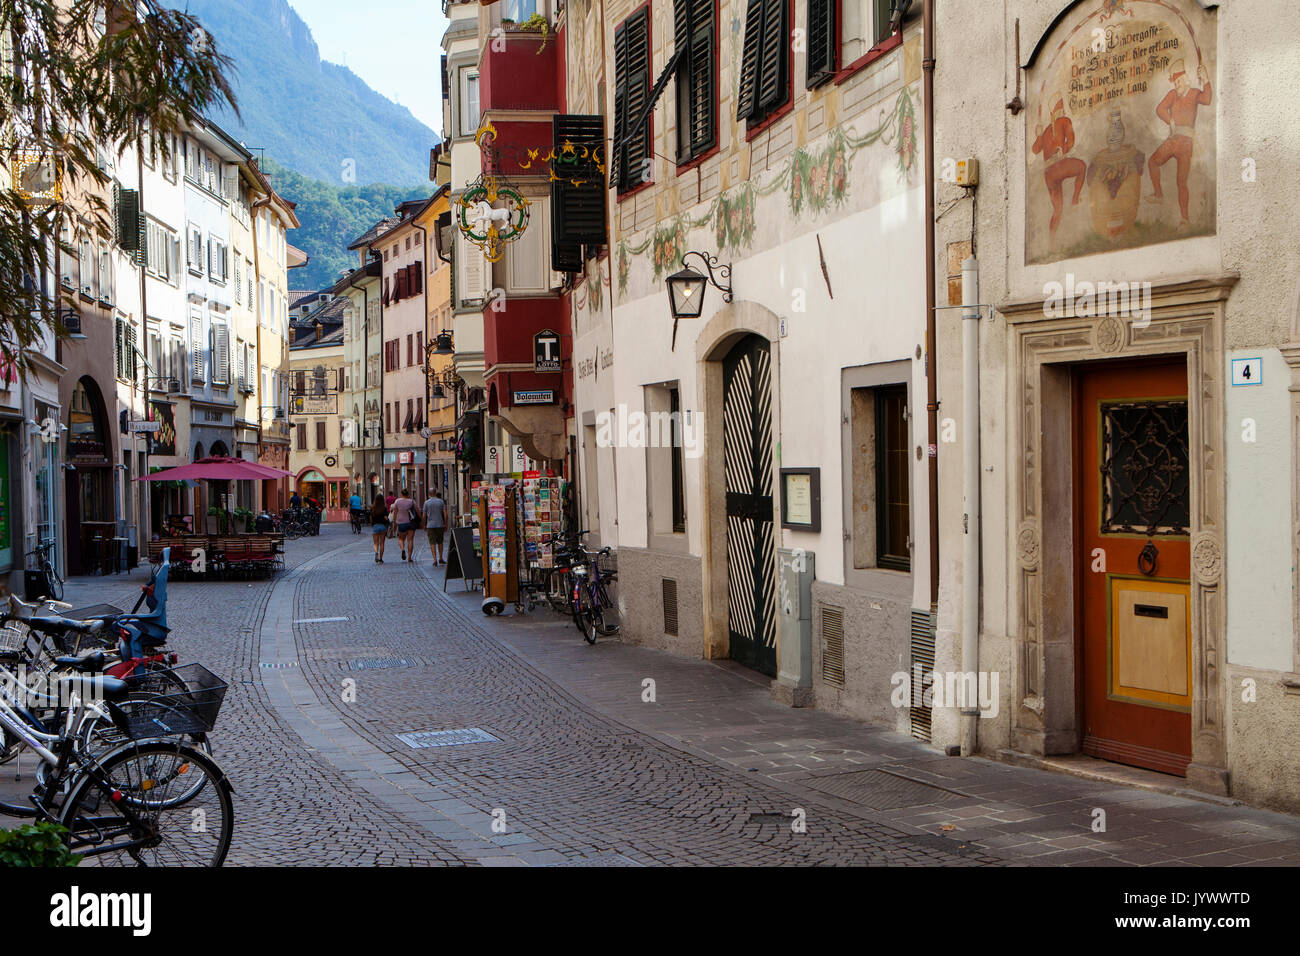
[(126, 348), (105, 276), (87, 265), (632, 122), (194, 251), (469, 110), (765, 60), (410, 350), (320, 434), (300, 382), (865, 23), (220, 353), (302, 436), (880, 476), (697, 94), (665, 466)]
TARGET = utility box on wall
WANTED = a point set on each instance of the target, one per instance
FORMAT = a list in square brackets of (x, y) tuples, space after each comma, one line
[(794, 577)]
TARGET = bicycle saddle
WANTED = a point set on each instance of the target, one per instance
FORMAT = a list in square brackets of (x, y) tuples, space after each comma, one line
[(99, 686), (92, 662), (59, 624)]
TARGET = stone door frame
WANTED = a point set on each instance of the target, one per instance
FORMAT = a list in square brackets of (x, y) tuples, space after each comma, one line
[(1186, 319)]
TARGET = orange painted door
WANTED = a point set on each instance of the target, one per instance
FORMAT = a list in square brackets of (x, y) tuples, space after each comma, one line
[(1133, 507)]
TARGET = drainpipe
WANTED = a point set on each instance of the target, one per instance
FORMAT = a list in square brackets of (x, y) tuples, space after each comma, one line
[(931, 365), (365, 387), (970, 578)]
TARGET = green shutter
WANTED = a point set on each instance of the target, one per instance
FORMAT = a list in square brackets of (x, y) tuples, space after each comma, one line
[(822, 41)]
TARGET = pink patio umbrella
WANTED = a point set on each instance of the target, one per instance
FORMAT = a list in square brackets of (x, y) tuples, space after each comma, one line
[(218, 469)]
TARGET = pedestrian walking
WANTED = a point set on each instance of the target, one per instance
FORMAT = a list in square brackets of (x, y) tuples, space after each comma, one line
[(388, 500), (295, 500), (403, 514), (435, 523), (379, 526)]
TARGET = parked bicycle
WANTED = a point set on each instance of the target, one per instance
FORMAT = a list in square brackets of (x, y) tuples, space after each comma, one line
[(295, 523), (593, 611), (41, 562)]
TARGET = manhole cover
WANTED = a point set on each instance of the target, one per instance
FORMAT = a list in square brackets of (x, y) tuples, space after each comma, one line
[(883, 790), (419, 739), (379, 663)]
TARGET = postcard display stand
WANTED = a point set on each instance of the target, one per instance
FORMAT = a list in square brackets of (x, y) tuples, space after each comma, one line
[(497, 521), (542, 519)]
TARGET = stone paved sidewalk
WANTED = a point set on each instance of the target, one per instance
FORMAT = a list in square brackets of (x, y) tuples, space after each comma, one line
[(334, 659)]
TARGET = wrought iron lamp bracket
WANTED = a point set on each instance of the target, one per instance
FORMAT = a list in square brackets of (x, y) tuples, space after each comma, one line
[(723, 272)]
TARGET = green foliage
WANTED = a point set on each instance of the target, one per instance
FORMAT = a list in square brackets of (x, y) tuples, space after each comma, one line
[(74, 88), (332, 216), (316, 117), (37, 844)]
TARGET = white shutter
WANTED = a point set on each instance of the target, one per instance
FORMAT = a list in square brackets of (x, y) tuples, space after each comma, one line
[(220, 354), (239, 353), (196, 346)]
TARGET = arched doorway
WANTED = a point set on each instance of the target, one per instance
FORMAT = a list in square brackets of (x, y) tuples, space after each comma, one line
[(751, 532), (88, 487)]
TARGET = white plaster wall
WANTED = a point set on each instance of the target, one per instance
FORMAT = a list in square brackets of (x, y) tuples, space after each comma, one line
[(1259, 487)]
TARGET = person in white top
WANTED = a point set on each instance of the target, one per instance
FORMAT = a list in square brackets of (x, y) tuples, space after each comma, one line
[(404, 516)]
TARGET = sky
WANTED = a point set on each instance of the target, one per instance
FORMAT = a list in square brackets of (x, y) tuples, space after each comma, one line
[(391, 44)]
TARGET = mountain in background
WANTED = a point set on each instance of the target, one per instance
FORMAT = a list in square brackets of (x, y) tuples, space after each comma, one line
[(319, 119), (332, 217)]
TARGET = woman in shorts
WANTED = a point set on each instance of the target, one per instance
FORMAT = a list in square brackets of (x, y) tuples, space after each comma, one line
[(379, 526)]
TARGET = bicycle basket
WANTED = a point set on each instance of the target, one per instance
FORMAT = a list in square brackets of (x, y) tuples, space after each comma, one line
[(189, 711), (607, 563)]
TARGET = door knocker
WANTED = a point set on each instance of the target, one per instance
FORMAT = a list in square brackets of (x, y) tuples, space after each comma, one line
[(1147, 559)]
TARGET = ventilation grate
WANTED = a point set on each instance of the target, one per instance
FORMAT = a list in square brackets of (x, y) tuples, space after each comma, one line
[(922, 648), (670, 606), (833, 646)]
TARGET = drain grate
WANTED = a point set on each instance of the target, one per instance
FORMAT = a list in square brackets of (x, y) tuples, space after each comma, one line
[(420, 739), (771, 817), (883, 790), (276, 665), (380, 663)]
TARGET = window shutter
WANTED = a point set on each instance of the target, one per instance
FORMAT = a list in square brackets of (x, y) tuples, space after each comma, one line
[(196, 347), (578, 207), (703, 78), (638, 95), (822, 41), (117, 214), (617, 161), (121, 369), (142, 243), (773, 60), (242, 371), (126, 230), (221, 355), (417, 277), (747, 94), (129, 349)]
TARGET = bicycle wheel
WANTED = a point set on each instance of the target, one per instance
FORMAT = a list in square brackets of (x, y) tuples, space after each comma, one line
[(53, 583), (133, 808), (607, 622)]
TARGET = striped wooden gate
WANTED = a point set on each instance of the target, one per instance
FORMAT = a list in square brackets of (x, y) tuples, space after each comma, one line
[(751, 545)]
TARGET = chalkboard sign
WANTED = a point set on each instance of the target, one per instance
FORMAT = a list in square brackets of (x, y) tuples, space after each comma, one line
[(462, 562)]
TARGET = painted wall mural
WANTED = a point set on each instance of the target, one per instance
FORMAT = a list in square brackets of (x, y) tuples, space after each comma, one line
[(815, 181), (1120, 129)]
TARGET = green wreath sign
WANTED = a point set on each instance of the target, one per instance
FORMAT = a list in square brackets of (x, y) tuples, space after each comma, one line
[(483, 223)]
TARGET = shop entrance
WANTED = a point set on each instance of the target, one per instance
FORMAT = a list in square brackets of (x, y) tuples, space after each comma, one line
[(1133, 513)]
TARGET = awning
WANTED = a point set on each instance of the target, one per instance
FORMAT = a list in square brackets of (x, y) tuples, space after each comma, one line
[(217, 469)]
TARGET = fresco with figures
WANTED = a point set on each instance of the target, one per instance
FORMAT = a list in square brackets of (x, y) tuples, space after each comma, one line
[(1120, 129)]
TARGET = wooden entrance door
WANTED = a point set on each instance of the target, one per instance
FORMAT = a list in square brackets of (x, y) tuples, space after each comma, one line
[(1133, 508), (751, 555)]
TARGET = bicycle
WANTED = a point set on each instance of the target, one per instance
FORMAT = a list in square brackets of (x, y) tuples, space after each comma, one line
[(357, 516), (143, 798), (591, 598), (294, 524), (53, 583)]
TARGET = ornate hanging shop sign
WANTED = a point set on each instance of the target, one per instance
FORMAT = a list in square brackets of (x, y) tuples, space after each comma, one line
[(491, 212)]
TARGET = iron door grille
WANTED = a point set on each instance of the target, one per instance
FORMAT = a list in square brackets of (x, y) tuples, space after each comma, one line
[(833, 646)]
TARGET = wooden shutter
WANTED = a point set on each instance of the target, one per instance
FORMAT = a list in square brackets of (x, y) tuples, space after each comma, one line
[(774, 57), (241, 368), (416, 281), (823, 41), (638, 95), (617, 159), (578, 207), (127, 227), (129, 352), (747, 94), (320, 434), (221, 354), (702, 66), (118, 337), (196, 347)]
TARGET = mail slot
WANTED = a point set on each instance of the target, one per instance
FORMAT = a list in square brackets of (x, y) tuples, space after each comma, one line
[(1151, 610)]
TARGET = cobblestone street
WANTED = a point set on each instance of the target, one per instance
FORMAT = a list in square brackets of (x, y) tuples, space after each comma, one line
[(578, 769)]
